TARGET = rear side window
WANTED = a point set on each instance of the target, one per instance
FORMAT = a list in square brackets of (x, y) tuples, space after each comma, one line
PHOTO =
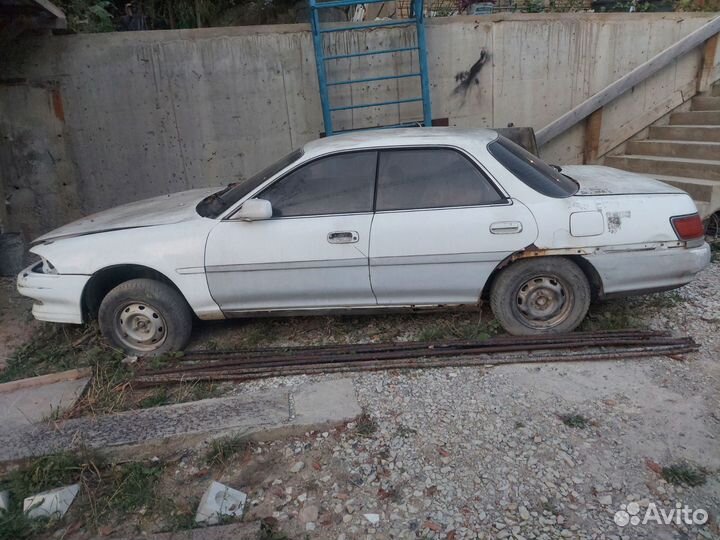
[(338, 184), (430, 178), (531, 170)]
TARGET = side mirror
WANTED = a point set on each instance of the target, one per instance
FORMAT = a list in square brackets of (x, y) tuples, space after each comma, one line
[(255, 210)]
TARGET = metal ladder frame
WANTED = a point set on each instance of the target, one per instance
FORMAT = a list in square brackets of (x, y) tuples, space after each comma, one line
[(417, 19)]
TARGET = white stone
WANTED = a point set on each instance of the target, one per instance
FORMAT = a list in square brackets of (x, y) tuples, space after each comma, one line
[(4, 500), (372, 518), (297, 467), (220, 500), (53, 503), (605, 500)]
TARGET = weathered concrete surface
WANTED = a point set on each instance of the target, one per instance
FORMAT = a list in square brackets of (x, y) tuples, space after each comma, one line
[(92, 121), (27, 406), (261, 415)]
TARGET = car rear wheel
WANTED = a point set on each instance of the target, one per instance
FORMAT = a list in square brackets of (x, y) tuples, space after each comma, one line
[(145, 317), (540, 295)]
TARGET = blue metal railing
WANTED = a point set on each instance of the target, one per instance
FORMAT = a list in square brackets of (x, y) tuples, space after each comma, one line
[(416, 20)]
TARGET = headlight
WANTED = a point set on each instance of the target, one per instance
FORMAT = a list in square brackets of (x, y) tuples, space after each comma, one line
[(44, 267)]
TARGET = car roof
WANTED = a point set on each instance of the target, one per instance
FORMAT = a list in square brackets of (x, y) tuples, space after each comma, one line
[(400, 137)]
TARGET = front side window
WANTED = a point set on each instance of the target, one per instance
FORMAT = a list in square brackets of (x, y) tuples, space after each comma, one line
[(430, 178), (338, 184), (217, 203), (531, 170)]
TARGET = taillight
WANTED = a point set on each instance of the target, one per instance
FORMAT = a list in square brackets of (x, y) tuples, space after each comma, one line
[(688, 227)]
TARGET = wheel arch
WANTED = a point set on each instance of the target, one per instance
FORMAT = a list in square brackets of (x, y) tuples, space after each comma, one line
[(591, 273), (106, 279)]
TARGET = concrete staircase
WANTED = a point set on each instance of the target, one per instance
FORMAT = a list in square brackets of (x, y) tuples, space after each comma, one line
[(685, 152)]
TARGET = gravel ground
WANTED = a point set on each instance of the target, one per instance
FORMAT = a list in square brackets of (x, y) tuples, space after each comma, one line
[(484, 453)]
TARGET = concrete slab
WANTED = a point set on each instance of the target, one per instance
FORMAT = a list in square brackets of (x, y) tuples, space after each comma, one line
[(261, 415), (24, 405), (220, 500), (51, 504)]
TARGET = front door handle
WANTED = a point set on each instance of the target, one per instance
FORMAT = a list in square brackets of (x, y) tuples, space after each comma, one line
[(506, 227), (343, 237)]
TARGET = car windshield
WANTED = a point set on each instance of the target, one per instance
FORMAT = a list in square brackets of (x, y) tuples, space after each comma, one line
[(217, 203), (531, 170)]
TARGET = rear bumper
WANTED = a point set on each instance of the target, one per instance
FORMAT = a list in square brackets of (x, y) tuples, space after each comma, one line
[(57, 296), (641, 271)]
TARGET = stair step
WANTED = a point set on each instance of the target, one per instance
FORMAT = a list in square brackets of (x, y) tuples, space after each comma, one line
[(715, 90), (673, 148), (686, 133), (706, 103), (699, 189), (667, 166), (702, 118)]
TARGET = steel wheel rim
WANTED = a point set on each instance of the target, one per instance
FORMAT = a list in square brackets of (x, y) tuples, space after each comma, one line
[(543, 302), (140, 326), (712, 228)]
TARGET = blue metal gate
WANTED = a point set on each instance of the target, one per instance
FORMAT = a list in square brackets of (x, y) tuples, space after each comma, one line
[(416, 20)]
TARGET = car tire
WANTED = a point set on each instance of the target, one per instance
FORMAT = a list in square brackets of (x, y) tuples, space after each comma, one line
[(542, 295), (145, 317)]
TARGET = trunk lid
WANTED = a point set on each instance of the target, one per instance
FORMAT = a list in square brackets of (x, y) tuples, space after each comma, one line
[(597, 180)]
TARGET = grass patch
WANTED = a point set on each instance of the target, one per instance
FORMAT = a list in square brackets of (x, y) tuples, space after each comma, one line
[(615, 316), (366, 426), (463, 329), (156, 398), (684, 474), (56, 348), (130, 486), (40, 475), (575, 421), (106, 490), (257, 334), (109, 389), (221, 450), (663, 300)]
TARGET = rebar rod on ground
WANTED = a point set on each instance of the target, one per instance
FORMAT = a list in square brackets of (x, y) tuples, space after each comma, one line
[(417, 358)]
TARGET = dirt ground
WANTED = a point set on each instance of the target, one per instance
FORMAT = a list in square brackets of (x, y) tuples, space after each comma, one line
[(542, 451)]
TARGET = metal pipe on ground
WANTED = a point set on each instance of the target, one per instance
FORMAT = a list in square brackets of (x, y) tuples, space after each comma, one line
[(372, 357), (556, 338), (390, 353), (244, 375)]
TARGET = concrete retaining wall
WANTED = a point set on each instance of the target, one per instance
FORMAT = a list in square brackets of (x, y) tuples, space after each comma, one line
[(91, 121)]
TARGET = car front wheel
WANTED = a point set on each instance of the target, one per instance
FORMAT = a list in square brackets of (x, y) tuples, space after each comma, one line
[(145, 317), (540, 295)]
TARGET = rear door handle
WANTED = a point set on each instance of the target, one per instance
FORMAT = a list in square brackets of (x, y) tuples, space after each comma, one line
[(506, 227), (343, 237)]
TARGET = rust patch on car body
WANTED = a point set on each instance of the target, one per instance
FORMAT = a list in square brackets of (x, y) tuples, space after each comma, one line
[(533, 251), (615, 220)]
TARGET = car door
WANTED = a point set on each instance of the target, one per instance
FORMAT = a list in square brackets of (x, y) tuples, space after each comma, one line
[(441, 226), (312, 253)]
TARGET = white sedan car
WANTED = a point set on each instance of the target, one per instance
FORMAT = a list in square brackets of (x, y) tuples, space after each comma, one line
[(384, 219)]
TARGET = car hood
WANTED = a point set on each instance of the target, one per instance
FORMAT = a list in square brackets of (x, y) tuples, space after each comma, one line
[(598, 180), (162, 210)]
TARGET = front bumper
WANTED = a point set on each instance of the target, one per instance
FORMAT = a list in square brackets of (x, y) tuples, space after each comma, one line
[(57, 296), (638, 271)]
